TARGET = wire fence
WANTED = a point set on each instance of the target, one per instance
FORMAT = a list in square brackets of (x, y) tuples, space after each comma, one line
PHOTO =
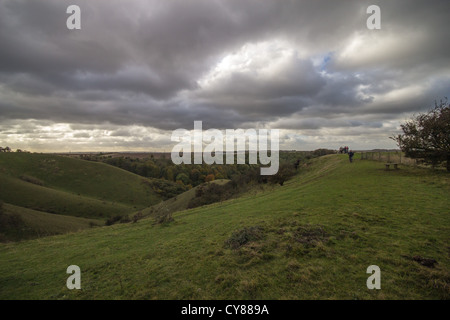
[(387, 157)]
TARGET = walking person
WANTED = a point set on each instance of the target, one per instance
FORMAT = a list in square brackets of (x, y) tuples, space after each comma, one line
[(350, 155)]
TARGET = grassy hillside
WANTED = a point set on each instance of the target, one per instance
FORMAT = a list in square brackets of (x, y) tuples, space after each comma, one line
[(74, 187), (312, 238), (17, 223)]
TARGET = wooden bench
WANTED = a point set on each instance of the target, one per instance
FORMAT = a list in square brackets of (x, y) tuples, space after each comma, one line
[(388, 165)]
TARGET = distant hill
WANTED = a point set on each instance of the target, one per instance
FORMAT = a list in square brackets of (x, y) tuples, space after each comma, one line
[(68, 186), (18, 223)]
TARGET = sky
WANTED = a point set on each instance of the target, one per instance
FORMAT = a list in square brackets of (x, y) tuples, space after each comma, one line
[(137, 70)]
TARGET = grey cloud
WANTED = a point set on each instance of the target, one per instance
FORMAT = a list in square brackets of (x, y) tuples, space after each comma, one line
[(81, 135), (142, 63)]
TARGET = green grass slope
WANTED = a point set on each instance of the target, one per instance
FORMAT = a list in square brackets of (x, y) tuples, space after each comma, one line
[(312, 238), (69, 186), (17, 223)]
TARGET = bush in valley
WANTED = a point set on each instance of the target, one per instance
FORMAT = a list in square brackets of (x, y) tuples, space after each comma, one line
[(138, 216), (239, 183), (166, 189), (243, 236), (164, 216), (210, 193), (285, 171), (125, 219), (113, 220), (116, 219)]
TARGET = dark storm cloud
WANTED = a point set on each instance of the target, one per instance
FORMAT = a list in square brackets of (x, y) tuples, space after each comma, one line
[(164, 64)]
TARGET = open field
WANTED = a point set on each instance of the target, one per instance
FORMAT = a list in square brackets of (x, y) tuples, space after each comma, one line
[(312, 238)]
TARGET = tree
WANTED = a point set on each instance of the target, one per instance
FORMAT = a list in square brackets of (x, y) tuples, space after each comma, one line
[(285, 171), (427, 136), (183, 178), (169, 174)]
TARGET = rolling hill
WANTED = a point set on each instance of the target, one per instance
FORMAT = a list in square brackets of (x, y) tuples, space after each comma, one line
[(312, 238), (65, 186), (18, 223)]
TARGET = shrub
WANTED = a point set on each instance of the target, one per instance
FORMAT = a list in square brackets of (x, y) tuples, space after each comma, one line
[(113, 220), (243, 236), (165, 189), (138, 216), (211, 193), (285, 172), (125, 219), (164, 216)]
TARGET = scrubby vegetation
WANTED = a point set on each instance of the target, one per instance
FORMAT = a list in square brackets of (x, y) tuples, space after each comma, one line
[(243, 236), (239, 184), (164, 216), (193, 175)]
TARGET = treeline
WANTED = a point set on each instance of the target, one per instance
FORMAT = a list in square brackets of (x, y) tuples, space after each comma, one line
[(8, 149), (191, 175), (211, 192)]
